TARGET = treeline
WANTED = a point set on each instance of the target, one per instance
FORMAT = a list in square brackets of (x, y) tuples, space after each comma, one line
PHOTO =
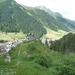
[(65, 44), (3, 41)]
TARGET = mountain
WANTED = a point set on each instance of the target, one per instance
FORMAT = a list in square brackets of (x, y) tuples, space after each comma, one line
[(15, 18), (65, 44), (59, 21), (48, 10)]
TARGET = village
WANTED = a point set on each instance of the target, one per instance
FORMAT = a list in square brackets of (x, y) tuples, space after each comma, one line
[(6, 47)]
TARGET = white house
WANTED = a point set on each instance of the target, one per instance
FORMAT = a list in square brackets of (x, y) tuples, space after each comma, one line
[(7, 59)]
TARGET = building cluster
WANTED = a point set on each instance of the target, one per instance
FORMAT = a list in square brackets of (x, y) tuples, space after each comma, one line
[(29, 37), (6, 47)]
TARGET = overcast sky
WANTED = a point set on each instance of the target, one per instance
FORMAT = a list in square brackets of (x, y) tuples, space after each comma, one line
[(64, 7)]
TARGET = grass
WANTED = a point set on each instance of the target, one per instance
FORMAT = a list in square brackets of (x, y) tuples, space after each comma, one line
[(59, 35), (27, 66), (11, 36), (42, 61), (52, 34)]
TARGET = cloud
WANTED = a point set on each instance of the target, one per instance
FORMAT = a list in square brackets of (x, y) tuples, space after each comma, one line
[(64, 7)]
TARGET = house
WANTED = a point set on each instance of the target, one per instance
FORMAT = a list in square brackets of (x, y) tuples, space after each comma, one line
[(29, 37), (3, 49), (15, 43), (7, 59)]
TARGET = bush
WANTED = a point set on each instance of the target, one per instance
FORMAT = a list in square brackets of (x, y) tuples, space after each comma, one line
[(43, 60)]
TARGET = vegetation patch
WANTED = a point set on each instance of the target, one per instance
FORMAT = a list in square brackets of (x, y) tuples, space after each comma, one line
[(42, 61)]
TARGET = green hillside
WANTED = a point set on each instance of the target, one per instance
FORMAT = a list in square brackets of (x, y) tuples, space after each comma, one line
[(2, 1), (15, 18), (34, 58), (65, 44)]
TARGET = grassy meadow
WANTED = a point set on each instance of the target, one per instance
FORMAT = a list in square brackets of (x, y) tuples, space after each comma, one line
[(11, 36), (54, 35)]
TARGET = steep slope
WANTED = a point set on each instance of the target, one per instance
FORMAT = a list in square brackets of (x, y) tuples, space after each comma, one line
[(15, 17), (26, 59), (34, 58), (65, 44)]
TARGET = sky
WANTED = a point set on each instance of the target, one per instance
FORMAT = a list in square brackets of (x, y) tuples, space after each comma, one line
[(64, 7)]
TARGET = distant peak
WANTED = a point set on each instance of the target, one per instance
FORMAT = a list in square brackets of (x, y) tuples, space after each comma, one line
[(41, 7)]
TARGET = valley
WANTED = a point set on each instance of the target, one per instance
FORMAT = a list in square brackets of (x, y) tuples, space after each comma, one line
[(35, 41), (14, 36)]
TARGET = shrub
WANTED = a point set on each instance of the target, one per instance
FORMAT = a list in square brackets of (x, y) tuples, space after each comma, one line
[(43, 60)]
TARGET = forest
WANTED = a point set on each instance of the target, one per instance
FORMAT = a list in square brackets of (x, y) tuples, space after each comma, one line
[(65, 44)]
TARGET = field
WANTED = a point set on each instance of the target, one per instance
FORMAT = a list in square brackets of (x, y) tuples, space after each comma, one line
[(11, 36), (54, 35), (50, 34)]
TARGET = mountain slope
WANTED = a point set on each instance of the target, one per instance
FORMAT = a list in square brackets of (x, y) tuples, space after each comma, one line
[(65, 44), (25, 59), (57, 21), (34, 58), (15, 17)]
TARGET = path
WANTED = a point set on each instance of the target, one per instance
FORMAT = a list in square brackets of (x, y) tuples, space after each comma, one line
[(18, 61)]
